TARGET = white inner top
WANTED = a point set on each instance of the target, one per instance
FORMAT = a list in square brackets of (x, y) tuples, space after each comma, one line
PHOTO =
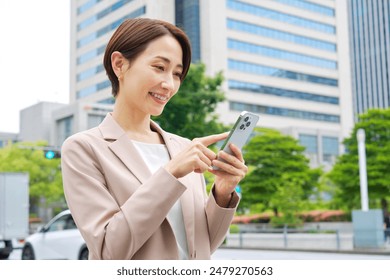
[(155, 156)]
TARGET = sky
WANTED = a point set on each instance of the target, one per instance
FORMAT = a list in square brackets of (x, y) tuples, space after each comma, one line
[(34, 56)]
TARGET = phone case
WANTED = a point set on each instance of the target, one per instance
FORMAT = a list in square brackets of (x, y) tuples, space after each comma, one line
[(240, 132)]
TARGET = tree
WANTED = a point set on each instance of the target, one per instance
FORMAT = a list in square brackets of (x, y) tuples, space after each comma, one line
[(190, 113), (345, 173), (45, 175), (280, 177)]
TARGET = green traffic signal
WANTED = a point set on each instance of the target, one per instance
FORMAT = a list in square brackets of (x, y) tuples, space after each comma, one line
[(50, 154)]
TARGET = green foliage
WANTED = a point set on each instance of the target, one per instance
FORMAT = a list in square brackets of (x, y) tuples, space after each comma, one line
[(280, 178), (288, 200), (190, 113), (234, 228), (345, 173), (45, 175), (209, 177)]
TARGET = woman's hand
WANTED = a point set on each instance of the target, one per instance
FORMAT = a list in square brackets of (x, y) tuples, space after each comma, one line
[(196, 157), (229, 174)]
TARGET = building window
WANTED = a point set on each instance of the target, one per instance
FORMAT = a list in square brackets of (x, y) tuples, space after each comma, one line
[(278, 16), (305, 5), (85, 23), (64, 129), (108, 28), (290, 113), (110, 101), (311, 147), (281, 54), (89, 73), (86, 6), (281, 73), (309, 142), (279, 35), (90, 54), (92, 89), (330, 149), (257, 88)]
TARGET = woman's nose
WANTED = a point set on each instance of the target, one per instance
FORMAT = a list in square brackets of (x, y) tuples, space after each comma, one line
[(168, 83)]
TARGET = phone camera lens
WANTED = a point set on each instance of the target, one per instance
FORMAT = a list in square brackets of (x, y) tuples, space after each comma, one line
[(242, 126), (248, 123), (246, 119)]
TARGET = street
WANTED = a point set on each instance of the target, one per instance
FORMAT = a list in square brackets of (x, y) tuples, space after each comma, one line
[(244, 254)]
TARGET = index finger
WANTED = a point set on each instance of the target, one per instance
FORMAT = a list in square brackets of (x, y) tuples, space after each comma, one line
[(211, 139)]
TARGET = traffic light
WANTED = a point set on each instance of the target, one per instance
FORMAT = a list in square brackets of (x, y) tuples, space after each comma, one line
[(51, 153)]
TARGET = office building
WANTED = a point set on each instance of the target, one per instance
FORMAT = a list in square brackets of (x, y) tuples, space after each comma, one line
[(7, 138), (286, 60), (36, 121), (369, 22)]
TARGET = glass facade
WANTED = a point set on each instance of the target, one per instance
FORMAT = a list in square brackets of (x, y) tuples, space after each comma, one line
[(281, 54), (283, 112), (85, 23), (92, 89), (108, 28), (309, 6), (188, 18), (86, 6), (281, 73), (370, 55), (89, 73), (110, 100), (257, 88), (279, 16), (90, 55), (279, 35)]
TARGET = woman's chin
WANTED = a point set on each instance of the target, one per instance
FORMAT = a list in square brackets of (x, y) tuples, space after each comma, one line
[(157, 113)]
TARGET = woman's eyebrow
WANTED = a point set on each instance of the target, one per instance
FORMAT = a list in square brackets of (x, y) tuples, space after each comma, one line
[(167, 60)]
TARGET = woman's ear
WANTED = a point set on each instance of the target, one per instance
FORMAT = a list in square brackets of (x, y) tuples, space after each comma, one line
[(117, 62)]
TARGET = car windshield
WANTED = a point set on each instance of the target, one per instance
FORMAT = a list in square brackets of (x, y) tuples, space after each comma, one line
[(63, 223)]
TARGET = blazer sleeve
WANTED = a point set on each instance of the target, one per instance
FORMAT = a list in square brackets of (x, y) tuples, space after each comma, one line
[(112, 231), (219, 219)]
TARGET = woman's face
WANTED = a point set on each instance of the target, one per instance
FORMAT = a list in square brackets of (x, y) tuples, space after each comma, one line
[(153, 77)]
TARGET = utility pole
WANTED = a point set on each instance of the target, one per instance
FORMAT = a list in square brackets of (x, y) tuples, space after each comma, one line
[(361, 137)]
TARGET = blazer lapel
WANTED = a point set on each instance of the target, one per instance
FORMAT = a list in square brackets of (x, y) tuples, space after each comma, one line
[(123, 148)]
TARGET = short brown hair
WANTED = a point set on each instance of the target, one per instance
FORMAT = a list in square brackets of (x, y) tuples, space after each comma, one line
[(133, 36)]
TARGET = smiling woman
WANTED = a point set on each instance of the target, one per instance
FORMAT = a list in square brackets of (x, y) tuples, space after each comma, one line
[(34, 56), (136, 191)]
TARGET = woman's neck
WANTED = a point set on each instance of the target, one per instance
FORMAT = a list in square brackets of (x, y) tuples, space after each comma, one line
[(136, 125)]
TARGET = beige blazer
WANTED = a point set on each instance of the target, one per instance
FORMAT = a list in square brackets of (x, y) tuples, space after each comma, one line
[(121, 208)]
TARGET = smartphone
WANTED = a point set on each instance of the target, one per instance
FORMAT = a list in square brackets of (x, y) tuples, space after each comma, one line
[(240, 132)]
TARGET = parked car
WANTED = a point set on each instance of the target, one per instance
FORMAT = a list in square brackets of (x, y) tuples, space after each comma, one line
[(58, 239)]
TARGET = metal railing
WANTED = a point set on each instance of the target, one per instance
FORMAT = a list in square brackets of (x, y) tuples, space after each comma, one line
[(291, 238), (286, 232)]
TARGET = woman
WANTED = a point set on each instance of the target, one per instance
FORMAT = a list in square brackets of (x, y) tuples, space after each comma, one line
[(134, 190)]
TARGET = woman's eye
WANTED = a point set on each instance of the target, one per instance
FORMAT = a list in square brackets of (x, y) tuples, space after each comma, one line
[(161, 68), (179, 74)]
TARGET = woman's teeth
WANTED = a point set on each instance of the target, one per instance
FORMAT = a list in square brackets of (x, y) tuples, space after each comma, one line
[(161, 97)]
